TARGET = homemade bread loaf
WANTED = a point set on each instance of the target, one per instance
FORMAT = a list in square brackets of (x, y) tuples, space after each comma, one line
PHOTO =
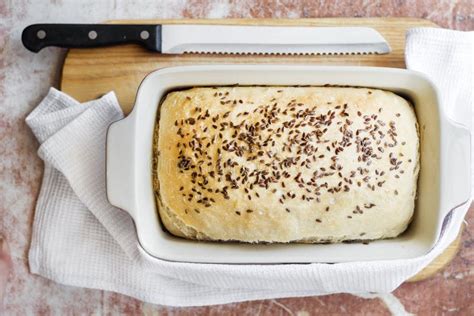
[(285, 164)]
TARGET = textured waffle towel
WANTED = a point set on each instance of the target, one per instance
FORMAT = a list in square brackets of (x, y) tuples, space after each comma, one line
[(80, 239)]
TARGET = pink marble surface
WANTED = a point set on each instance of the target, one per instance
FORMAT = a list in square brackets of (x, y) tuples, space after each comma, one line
[(25, 79)]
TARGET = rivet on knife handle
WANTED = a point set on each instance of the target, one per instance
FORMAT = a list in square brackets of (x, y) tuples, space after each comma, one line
[(37, 36)]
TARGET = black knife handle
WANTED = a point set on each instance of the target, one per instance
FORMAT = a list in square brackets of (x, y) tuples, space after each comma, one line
[(37, 36)]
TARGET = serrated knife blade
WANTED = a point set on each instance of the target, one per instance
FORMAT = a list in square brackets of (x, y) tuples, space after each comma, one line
[(178, 39), (218, 39)]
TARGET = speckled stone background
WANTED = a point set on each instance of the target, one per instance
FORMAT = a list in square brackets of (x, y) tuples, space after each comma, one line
[(25, 79)]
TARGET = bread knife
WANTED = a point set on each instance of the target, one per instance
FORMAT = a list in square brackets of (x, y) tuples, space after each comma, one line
[(214, 39)]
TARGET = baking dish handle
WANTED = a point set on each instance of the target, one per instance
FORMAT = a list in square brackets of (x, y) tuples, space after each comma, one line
[(456, 176), (120, 166)]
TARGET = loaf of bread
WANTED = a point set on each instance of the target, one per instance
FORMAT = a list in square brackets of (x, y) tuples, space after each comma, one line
[(285, 164)]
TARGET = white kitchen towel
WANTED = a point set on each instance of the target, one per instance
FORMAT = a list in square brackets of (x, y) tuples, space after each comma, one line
[(80, 239)]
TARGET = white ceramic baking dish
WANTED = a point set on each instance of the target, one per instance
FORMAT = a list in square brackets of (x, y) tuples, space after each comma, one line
[(444, 181)]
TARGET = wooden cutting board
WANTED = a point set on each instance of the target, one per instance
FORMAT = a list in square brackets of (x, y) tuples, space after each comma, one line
[(90, 73)]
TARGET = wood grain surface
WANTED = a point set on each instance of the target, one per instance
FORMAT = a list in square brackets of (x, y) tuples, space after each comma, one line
[(90, 73)]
